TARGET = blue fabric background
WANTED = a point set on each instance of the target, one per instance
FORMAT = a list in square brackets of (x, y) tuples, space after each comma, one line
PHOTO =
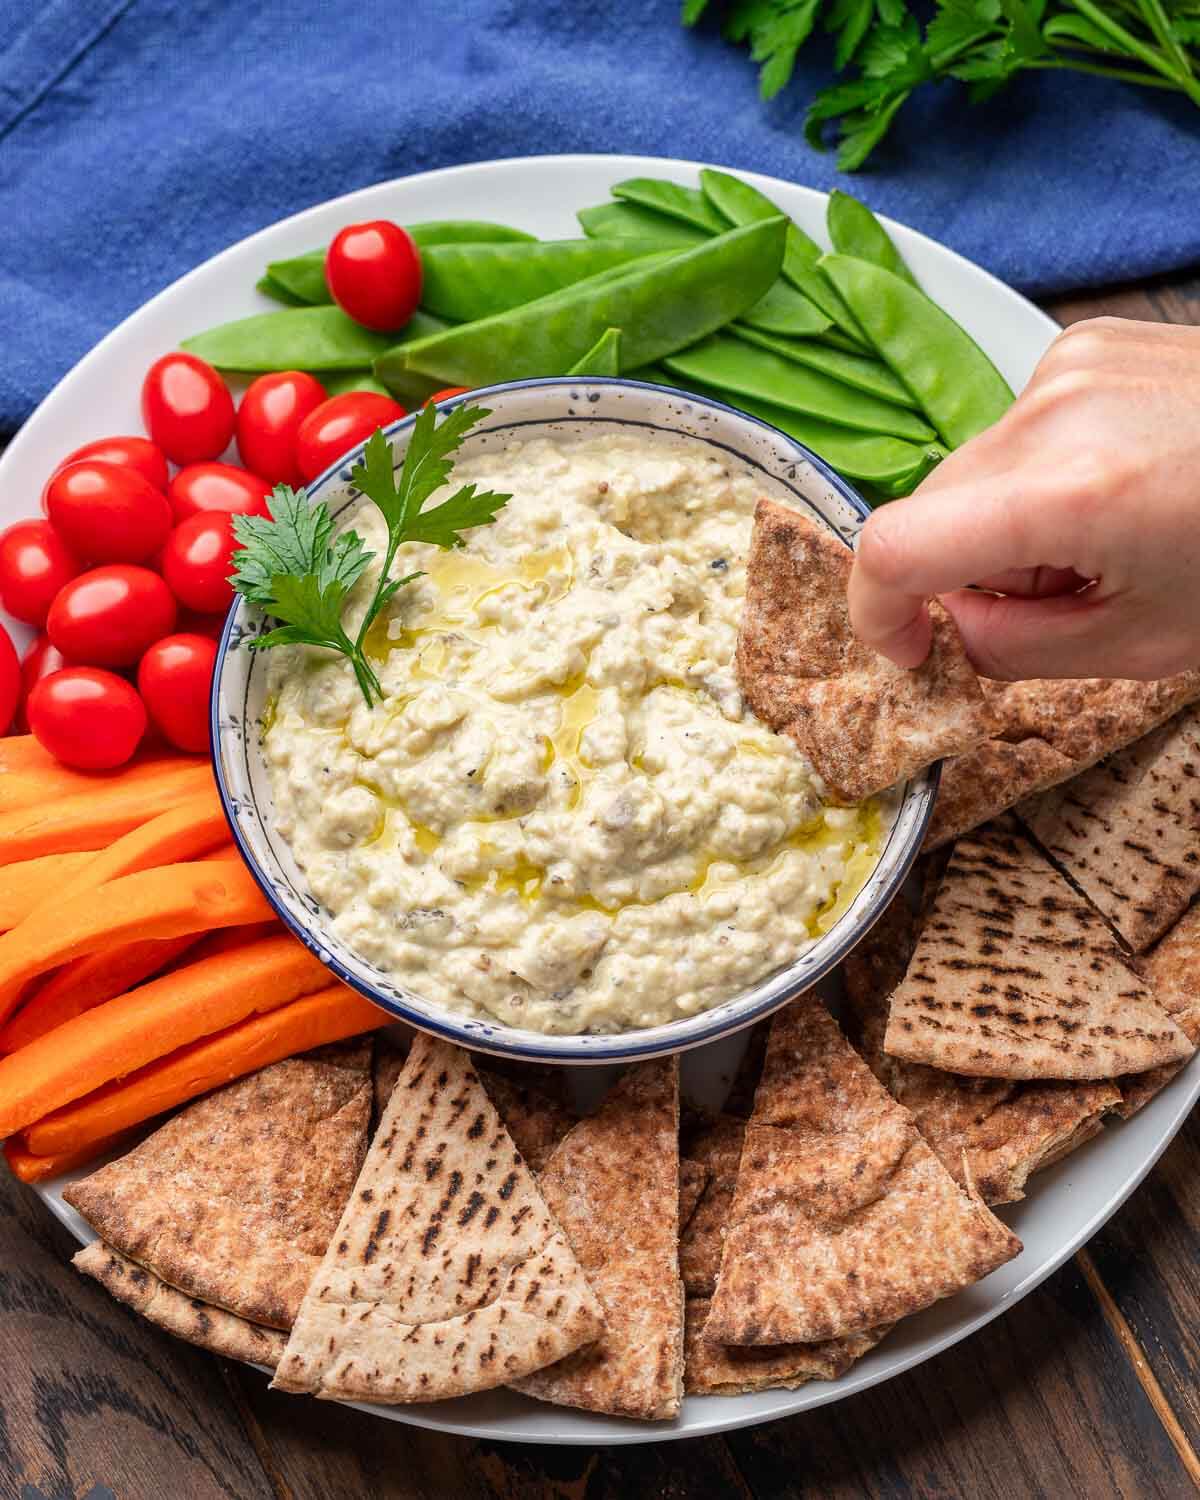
[(137, 137)]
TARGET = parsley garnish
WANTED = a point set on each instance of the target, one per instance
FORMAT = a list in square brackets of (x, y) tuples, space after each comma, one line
[(292, 565)]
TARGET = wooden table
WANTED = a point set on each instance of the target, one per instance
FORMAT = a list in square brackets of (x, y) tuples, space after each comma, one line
[(1090, 1387)]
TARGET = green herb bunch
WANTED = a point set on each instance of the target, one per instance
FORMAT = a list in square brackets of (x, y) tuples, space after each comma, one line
[(293, 566), (982, 43)]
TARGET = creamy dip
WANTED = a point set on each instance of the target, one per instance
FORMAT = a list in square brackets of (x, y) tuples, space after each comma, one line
[(562, 817)]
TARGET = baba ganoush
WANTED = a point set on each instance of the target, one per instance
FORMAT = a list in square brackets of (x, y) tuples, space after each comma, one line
[(562, 817)]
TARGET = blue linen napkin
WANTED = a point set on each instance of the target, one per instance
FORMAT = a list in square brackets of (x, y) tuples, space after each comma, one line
[(138, 137)]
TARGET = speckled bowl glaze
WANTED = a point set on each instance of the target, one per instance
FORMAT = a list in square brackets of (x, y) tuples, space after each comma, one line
[(528, 409)]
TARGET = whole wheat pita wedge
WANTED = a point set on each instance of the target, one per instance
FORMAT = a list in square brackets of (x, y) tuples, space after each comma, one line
[(388, 1064), (992, 1132), (1172, 970), (1049, 730), (693, 1179), (712, 1369), (1127, 831), (536, 1122), (447, 1273), (185, 1317), (613, 1185), (233, 1200), (863, 722), (1016, 976), (843, 1218), (717, 1145)]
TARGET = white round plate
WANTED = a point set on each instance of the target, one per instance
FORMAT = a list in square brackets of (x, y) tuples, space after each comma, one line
[(1066, 1204)]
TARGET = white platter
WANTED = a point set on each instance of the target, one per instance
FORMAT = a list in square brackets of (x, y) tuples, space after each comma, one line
[(1066, 1204)]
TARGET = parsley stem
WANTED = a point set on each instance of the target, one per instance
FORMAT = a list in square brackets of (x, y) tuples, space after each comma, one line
[(1138, 49), (1126, 75)]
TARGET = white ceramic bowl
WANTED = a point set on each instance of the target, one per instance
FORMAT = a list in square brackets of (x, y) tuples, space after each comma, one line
[(539, 407)]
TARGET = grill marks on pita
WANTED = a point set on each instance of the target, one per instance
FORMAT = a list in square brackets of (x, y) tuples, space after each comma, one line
[(233, 1201), (208, 1327), (1016, 976), (863, 722), (1127, 831), (447, 1273), (1048, 731), (992, 1132), (843, 1218), (613, 1185), (536, 1122)]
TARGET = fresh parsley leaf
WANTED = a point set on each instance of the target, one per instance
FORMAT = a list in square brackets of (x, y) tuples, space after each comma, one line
[(294, 539), (776, 30), (692, 11), (848, 20)]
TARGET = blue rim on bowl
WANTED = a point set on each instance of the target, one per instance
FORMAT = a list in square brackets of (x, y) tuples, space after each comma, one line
[(784, 465)]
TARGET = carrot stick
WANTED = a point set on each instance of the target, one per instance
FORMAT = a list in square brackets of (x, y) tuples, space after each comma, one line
[(95, 818), (29, 882), (27, 786), (146, 1023), (163, 903), (26, 1167), (87, 982), (327, 1016)]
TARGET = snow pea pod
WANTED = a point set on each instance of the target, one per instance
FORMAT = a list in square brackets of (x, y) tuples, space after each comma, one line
[(631, 221), (464, 282), (855, 230), (885, 462), (861, 371), (603, 358), (739, 203), (298, 338), (659, 307), (269, 287), (731, 365), (956, 384), (669, 198), (782, 309), (339, 382), (302, 277)]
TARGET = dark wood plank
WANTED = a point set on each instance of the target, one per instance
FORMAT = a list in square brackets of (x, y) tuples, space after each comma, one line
[(1168, 300), (92, 1394)]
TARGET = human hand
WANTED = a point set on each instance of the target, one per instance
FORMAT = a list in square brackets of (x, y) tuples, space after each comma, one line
[(1079, 510)]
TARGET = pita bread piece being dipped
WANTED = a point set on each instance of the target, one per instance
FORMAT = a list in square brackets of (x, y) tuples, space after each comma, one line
[(447, 1273), (843, 1218), (1015, 975), (863, 722), (613, 1185), (233, 1200)]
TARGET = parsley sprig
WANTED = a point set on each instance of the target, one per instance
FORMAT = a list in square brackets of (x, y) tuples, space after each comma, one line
[(982, 43), (301, 574)]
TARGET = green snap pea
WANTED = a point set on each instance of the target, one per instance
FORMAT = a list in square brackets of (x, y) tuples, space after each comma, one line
[(956, 384), (339, 382), (298, 338), (739, 203), (855, 230), (728, 364), (885, 462), (782, 309), (860, 371), (465, 282), (836, 339), (270, 287), (676, 202), (660, 307), (302, 277), (630, 221), (603, 358)]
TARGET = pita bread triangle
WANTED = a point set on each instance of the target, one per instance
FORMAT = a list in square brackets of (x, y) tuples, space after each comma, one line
[(717, 1146), (713, 1369), (1015, 975), (1170, 969), (234, 1199), (989, 1131), (1127, 831), (536, 1122), (447, 1273), (613, 1184), (210, 1328), (863, 722), (843, 1218)]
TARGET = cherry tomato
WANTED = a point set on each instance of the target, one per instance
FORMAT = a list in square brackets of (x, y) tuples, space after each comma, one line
[(10, 680), (338, 425), (107, 618), (187, 408), (373, 272), (41, 658), (87, 718), (174, 679), (220, 487), (196, 564), (106, 514), (136, 453), (451, 390), (35, 562), (192, 622), (267, 421)]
